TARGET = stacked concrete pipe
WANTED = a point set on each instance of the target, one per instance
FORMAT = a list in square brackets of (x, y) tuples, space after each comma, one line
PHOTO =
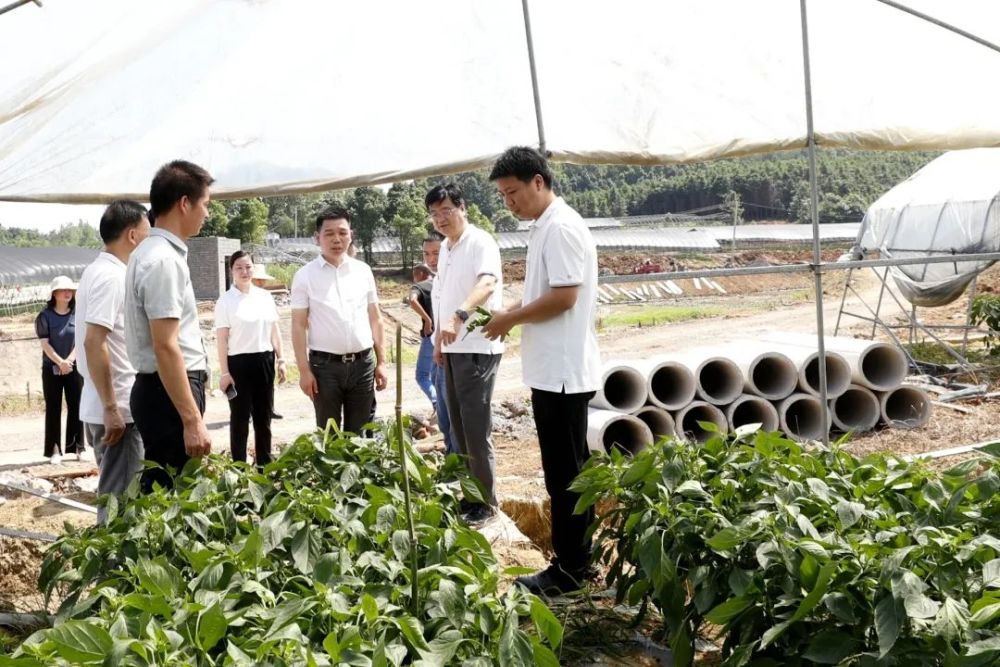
[(718, 380), (607, 429), (876, 365), (623, 388), (856, 410)]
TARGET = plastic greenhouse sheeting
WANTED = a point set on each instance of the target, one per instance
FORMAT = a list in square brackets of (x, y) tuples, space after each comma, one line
[(34, 266), (951, 206), (302, 95)]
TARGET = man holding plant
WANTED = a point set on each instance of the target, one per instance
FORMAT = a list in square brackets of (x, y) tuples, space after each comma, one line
[(560, 360), (469, 275)]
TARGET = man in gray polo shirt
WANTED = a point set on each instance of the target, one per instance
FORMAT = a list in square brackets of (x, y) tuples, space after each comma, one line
[(161, 317)]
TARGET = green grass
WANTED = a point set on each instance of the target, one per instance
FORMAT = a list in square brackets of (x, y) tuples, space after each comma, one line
[(15, 405), (651, 316)]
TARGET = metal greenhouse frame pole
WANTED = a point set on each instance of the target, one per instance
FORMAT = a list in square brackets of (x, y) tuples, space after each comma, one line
[(814, 214), (534, 77)]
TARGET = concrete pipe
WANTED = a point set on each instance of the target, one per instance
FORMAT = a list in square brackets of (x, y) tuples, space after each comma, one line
[(874, 364), (607, 429), (766, 373), (658, 420), (669, 384), (686, 421), (856, 410), (623, 388), (801, 417), (718, 380), (806, 361), (905, 407), (751, 409)]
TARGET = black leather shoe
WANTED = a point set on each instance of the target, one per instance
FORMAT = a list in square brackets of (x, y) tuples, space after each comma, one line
[(554, 581), (275, 415), (479, 514)]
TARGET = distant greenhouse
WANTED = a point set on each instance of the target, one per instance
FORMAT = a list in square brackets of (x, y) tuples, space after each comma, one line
[(25, 272)]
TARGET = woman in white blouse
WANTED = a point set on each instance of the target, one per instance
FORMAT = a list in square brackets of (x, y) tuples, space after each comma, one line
[(249, 342)]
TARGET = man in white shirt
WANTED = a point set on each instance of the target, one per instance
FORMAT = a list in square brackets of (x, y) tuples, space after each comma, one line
[(102, 357), (337, 328), (164, 336), (560, 360), (469, 275)]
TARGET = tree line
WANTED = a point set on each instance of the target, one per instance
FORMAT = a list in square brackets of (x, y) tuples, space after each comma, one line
[(768, 187)]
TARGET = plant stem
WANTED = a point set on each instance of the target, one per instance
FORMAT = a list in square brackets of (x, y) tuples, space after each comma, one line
[(406, 475)]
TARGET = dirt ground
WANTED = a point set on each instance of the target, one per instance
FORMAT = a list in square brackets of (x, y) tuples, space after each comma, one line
[(751, 306)]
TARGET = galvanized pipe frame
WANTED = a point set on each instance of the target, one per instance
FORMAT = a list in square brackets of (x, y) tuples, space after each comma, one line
[(823, 267)]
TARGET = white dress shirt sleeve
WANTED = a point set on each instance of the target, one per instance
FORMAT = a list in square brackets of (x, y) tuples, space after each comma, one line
[(221, 313), (565, 257), (300, 290)]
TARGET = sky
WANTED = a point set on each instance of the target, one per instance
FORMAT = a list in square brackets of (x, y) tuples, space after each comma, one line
[(47, 217)]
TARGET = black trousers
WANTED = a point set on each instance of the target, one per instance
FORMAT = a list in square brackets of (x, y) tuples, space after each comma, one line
[(54, 387), (253, 376), (161, 427), (346, 390), (561, 422)]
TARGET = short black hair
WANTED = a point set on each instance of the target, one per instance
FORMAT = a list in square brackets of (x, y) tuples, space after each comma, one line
[(120, 215), (424, 269), (237, 255), (523, 163), (333, 213), (439, 193), (174, 181), (432, 238)]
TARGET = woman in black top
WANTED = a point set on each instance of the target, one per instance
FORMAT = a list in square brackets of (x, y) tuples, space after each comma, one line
[(56, 329)]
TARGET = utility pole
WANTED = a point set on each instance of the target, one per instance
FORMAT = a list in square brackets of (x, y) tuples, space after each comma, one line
[(733, 202)]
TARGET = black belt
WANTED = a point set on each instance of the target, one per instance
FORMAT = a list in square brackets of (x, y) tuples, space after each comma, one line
[(340, 358), (197, 376)]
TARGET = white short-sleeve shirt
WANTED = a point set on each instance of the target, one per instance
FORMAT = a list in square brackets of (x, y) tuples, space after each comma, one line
[(337, 299), (100, 301), (459, 268), (249, 317), (561, 354)]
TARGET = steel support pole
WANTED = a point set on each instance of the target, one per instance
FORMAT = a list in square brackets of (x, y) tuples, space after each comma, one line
[(814, 214), (534, 77)]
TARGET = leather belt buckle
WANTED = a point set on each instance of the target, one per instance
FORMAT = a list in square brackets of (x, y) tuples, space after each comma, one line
[(349, 358)]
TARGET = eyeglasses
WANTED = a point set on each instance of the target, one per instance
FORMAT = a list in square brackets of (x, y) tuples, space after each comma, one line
[(442, 213)]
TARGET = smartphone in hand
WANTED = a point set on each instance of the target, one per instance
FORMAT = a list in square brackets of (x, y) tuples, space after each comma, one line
[(231, 392)]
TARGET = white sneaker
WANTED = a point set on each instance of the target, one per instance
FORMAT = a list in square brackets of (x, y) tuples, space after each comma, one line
[(85, 455), (55, 459)]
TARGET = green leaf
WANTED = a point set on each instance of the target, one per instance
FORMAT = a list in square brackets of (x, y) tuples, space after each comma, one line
[(849, 513), (452, 602), (472, 489), (369, 607), (212, 626), (982, 646), (817, 593), (682, 647), (773, 633), (919, 605), (331, 644), (80, 642), (305, 548), (274, 528), (237, 655), (831, 647), (889, 615), (547, 624), (155, 578), (721, 614), (692, 489), (727, 538), (638, 471), (401, 544), (413, 631), (986, 614), (515, 647), (952, 621), (542, 655), (991, 574), (839, 604)]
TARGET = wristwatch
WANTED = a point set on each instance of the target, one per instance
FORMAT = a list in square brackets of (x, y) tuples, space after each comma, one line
[(462, 314)]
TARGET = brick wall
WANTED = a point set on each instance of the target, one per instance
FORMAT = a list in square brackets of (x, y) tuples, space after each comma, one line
[(207, 261)]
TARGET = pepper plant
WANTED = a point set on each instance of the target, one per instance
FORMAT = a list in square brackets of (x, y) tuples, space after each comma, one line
[(797, 555), (306, 563)]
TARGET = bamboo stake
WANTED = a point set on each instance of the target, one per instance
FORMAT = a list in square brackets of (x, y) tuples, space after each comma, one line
[(406, 474)]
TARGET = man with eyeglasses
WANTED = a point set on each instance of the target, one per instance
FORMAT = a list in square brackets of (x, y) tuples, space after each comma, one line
[(469, 276), (559, 355)]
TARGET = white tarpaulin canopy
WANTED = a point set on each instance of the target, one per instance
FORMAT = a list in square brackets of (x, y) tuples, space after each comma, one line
[(951, 206), (295, 95)]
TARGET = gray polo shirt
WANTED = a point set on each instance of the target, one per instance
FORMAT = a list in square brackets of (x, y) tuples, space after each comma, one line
[(158, 287)]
